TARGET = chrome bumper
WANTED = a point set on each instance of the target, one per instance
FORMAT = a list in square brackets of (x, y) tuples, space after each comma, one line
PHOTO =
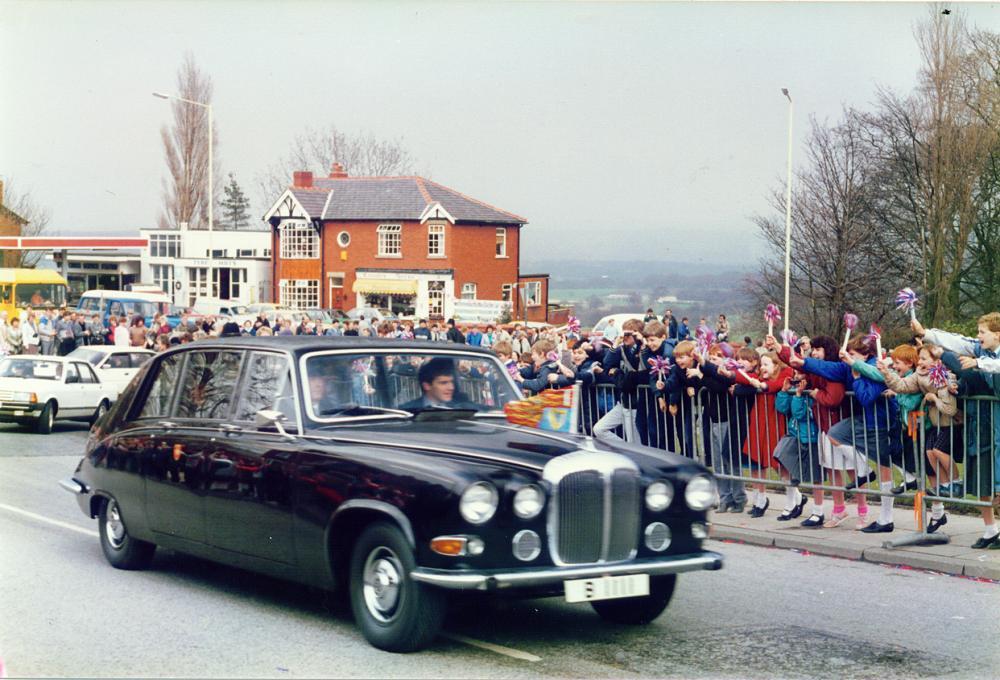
[(529, 578), (74, 486)]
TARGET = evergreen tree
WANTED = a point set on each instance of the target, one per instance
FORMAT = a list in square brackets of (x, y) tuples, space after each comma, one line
[(235, 205)]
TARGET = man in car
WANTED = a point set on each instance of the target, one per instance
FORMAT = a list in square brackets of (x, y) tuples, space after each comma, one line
[(437, 382)]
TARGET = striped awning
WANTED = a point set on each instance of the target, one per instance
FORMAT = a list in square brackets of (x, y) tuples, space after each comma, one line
[(385, 286)]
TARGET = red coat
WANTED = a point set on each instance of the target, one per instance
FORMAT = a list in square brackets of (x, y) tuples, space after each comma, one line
[(829, 395), (766, 426)]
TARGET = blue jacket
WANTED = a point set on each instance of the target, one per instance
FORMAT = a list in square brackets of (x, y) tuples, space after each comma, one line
[(536, 381), (799, 413), (682, 331), (473, 338), (879, 413)]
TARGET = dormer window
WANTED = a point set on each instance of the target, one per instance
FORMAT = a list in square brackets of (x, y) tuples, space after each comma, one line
[(299, 241), (435, 240)]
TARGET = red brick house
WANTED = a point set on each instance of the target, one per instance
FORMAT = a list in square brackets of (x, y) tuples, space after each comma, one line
[(404, 243)]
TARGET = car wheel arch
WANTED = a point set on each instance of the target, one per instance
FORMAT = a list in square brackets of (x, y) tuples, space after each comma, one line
[(347, 523)]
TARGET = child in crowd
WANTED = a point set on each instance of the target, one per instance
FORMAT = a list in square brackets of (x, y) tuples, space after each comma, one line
[(543, 372), (765, 429), (873, 430), (721, 412), (657, 349), (679, 390), (623, 365), (797, 452), (975, 363)]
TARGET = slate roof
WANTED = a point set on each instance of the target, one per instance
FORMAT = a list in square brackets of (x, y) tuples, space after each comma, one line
[(393, 198)]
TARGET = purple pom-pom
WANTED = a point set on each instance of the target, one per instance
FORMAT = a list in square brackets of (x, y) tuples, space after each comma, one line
[(772, 314), (573, 325), (851, 321), (659, 365), (733, 366), (552, 356), (906, 299), (789, 337), (938, 375), (727, 350)]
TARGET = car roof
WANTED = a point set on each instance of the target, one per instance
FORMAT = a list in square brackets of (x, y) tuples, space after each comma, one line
[(108, 349), (302, 344), (44, 357)]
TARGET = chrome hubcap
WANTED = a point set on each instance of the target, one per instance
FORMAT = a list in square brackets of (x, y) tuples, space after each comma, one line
[(114, 526), (383, 584)]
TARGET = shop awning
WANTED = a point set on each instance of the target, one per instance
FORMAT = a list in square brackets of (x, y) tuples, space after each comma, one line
[(385, 286)]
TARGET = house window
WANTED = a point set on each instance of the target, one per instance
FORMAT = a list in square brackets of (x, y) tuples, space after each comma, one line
[(533, 293), (197, 284), (468, 291), (336, 279), (299, 241), (390, 239), (163, 276), (299, 293), (435, 298), (505, 291), (164, 245), (241, 252), (435, 240), (501, 243)]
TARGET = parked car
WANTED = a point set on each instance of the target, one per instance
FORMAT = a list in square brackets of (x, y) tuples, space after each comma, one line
[(218, 308), (598, 330), (373, 314), (114, 365), (125, 303), (386, 468), (38, 390)]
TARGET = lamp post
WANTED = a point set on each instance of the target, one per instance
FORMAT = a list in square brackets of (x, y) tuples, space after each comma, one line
[(788, 208), (211, 184)]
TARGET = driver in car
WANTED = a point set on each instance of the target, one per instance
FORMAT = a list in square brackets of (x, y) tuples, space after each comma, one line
[(437, 382)]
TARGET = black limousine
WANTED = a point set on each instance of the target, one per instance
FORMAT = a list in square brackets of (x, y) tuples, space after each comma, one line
[(385, 468)]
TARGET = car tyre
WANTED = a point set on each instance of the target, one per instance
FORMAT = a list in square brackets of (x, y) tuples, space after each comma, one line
[(638, 611), (121, 549), (46, 418), (394, 612), (102, 409)]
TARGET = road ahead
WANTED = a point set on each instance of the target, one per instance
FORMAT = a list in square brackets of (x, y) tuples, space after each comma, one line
[(768, 613)]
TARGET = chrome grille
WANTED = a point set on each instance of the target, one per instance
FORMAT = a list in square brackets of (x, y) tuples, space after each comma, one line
[(594, 513), (6, 395)]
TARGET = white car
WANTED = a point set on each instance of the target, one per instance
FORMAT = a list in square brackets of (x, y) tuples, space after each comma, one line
[(219, 308), (598, 330), (38, 390), (114, 365)]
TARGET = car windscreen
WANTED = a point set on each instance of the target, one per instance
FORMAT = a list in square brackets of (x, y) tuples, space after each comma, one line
[(39, 369), (91, 356), (143, 308), (40, 294), (410, 381)]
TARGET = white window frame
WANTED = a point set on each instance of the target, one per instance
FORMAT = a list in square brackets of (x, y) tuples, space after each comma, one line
[(537, 287), (469, 291), (507, 292), (435, 240), (501, 242), (165, 245), (198, 284), (163, 276), (390, 240), (299, 241), (299, 293)]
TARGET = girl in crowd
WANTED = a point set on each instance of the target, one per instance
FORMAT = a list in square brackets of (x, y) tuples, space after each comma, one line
[(797, 452)]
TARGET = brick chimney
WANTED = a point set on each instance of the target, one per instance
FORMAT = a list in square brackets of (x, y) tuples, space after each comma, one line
[(302, 179), (338, 172)]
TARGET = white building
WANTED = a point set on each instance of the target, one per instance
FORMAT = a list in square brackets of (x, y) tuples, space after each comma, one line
[(194, 263)]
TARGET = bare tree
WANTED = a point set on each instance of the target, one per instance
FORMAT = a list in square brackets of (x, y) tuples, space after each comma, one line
[(185, 144), (35, 215), (361, 155)]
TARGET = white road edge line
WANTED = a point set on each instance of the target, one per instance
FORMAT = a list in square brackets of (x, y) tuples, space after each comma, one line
[(54, 522), (489, 646)]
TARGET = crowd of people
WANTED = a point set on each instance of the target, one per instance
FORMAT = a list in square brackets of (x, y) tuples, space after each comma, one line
[(812, 412)]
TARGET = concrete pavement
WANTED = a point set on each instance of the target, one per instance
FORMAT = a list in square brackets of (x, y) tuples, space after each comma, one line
[(955, 557)]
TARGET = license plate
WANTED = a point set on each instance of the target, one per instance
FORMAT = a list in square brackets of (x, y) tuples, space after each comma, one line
[(606, 587)]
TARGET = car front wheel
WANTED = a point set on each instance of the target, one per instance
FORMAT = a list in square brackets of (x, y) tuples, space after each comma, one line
[(393, 612), (122, 550), (635, 611), (46, 418), (102, 409)]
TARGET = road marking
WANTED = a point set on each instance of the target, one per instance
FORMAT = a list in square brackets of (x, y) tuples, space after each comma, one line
[(489, 646), (54, 522)]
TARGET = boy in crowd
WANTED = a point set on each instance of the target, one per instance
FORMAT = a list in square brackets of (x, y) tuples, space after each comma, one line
[(624, 366), (657, 347)]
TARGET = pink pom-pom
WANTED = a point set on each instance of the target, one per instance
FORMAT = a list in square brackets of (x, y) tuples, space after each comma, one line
[(573, 325), (938, 375), (789, 337), (727, 350), (772, 314), (851, 321), (552, 356), (733, 366), (706, 334), (659, 365)]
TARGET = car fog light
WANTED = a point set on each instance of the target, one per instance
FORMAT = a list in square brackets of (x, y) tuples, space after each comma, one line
[(699, 531), (475, 545), (659, 495), (479, 502), (657, 537), (452, 546), (528, 502), (527, 545), (700, 492)]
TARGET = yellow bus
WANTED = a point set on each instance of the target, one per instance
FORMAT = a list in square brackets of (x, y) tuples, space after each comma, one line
[(36, 288)]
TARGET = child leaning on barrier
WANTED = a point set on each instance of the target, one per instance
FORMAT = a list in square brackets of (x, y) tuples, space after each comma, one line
[(798, 450), (982, 416), (681, 386), (872, 432), (721, 412)]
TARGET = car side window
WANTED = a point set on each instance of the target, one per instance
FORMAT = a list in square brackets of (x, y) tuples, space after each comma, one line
[(161, 391), (86, 375), (116, 308), (72, 375), (139, 358), (118, 360), (267, 386), (208, 386)]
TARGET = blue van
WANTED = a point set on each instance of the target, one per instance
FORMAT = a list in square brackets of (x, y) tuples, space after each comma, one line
[(126, 303)]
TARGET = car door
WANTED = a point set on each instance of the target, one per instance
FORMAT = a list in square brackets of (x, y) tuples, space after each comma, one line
[(248, 500), (116, 369), (172, 467), (70, 396), (91, 390)]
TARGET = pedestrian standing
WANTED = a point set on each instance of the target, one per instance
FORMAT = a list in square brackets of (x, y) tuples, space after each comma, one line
[(29, 330), (65, 334), (121, 334), (15, 339)]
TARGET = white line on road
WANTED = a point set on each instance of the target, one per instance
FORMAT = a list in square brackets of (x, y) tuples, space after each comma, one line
[(489, 646), (55, 522)]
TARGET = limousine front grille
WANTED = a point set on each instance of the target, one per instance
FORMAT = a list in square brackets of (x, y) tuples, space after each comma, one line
[(594, 513)]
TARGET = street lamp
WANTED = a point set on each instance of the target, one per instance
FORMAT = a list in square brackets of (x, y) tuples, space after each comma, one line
[(211, 184), (788, 207)]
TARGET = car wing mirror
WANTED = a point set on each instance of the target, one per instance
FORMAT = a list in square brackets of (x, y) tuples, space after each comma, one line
[(266, 418)]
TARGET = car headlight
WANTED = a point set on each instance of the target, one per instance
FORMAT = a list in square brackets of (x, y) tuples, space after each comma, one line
[(479, 502), (658, 495), (528, 502), (700, 492), (29, 397)]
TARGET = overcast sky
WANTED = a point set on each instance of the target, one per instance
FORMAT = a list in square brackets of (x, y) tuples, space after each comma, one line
[(643, 131)]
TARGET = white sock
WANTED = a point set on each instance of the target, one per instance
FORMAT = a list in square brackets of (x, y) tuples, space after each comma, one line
[(908, 477), (817, 509), (937, 510), (885, 513), (792, 498), (759, 498), (991, 530)]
